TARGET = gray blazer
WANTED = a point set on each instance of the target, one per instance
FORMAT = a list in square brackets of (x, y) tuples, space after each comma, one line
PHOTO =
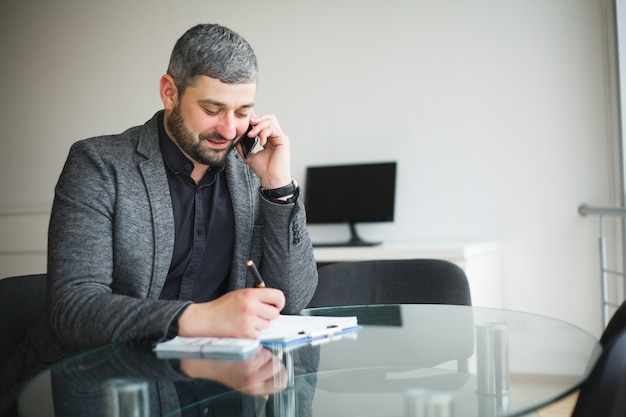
[(111, 239)]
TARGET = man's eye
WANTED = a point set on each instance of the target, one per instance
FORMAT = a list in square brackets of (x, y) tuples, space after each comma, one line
[(211, 112)]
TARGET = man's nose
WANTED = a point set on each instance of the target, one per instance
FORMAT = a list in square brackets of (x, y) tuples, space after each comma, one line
[(227, 128)]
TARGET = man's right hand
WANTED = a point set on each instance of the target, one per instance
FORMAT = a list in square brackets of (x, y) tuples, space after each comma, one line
[(241, 313)]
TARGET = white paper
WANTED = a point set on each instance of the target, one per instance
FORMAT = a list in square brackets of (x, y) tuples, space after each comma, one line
[(287, 328)]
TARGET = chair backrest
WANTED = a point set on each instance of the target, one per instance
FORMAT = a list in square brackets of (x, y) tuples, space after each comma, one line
[(616, 325), (601, 394), (406, 281), (619, 408), (22, 300)]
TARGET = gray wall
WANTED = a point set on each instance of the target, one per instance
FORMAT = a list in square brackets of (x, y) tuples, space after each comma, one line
[(500, 114)]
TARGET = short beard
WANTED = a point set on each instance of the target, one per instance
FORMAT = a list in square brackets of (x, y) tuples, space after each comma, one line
[(192, 145)]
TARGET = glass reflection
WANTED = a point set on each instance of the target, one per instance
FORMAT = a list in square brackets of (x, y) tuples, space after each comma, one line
[(264, 384)]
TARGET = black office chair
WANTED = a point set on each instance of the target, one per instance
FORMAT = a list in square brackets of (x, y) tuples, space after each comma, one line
[(22, 300), (619, 408), (616, 325), (603, 391), (406, 281)]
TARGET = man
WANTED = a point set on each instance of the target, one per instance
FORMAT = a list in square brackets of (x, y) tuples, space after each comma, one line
[(151, 229), (146, 237)]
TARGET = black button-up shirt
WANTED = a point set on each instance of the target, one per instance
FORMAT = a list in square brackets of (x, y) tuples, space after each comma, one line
[(203, 217)]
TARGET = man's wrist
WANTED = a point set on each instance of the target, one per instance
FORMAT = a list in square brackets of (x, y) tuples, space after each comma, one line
[(280, 191), (187, 321), (173, 329), (282, 195)]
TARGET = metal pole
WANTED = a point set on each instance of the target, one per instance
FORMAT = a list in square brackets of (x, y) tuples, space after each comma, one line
[(604, 275), (619, 19), (607, 304)]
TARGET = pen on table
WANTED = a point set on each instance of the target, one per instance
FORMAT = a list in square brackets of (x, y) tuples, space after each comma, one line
[(256, 274)]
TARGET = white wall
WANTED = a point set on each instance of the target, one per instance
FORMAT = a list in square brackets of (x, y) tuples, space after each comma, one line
[(500, 114)]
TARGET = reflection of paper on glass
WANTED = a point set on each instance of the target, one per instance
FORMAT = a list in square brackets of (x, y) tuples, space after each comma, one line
[(207, 347), (289, 329)]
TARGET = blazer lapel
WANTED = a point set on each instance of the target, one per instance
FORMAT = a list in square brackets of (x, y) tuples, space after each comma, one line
[(155, 178), (240, 187)]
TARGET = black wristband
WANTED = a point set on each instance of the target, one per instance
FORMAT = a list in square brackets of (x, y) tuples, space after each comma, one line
[(273, 193)]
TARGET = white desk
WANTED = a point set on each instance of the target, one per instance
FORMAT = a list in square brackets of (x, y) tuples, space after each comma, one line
[(480, 261)]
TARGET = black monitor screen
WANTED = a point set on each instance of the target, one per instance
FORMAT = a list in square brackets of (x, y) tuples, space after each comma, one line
[(351, 193)]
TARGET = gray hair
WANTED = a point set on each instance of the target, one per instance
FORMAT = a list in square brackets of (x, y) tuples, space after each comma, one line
[(214, 51)]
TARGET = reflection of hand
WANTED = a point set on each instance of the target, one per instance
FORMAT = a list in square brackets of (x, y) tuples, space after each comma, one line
[(260, 374)]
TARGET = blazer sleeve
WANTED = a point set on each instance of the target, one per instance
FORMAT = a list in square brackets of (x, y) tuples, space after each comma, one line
[(101, 251), (274, 235), (288, 261)]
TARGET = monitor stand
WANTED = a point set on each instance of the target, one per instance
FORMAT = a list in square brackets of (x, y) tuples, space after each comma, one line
[(355, 240)]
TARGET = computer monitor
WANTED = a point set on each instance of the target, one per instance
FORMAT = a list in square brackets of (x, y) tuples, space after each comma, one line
[(350, 194)]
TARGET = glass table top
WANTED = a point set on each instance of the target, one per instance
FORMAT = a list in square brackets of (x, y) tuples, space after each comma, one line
[(406, 360)]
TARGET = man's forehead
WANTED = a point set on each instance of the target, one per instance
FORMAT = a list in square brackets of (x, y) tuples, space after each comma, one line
[(211, 91)]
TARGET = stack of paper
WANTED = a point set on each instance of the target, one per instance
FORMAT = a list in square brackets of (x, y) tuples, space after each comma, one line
[(207, 347)]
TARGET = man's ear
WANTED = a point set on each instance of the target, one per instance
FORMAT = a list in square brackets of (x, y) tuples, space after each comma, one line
[(168, 91)]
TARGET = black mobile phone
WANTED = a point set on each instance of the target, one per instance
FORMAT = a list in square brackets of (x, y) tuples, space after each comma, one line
[(248, 144)]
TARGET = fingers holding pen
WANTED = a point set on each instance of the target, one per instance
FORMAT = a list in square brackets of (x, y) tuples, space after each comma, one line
[(255, 309), (241, 313)]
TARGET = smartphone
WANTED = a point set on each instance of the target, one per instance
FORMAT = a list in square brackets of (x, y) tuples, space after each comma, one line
[(248, 144)]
